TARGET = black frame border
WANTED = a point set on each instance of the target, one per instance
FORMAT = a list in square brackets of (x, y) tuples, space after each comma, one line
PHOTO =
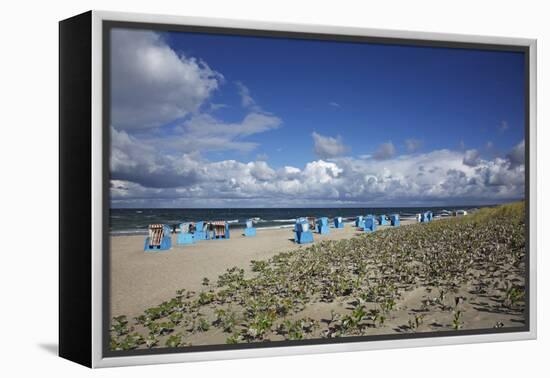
[(108, 25), (75, 189)]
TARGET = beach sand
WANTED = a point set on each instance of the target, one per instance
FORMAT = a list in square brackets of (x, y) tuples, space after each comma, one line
[(440, 297), (143, 279)]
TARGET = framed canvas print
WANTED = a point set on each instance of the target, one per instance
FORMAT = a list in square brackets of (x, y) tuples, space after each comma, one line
[(234, 189)]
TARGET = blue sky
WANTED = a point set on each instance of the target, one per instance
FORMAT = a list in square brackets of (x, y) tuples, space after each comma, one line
[(282, 114), (378, 92)]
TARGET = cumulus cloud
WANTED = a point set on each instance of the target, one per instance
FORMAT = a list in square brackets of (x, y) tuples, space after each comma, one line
[(138, 162), (334, 104), (151, 84), (384, 151), (328, 147), (170, 162), (437, 177), (471, 158), (413, 145)]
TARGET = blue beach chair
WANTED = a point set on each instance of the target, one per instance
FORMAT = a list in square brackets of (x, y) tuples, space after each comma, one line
[(185, 236), (201, 231), (359, 221), (426, 217), (338, 222), (159, 238), (382, 220), (302, 233), (394, 219), (369, 224), (322, 226), (250, 230)]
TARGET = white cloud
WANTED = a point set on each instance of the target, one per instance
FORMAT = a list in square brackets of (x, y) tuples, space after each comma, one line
[(384, 151), (428, 178), (334, 104), (203, 132), (328, 147), (471, 158), (152, 84), (261, 171), (139, 162)]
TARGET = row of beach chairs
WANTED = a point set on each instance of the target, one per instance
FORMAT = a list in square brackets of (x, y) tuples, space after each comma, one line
[(369, 222), (159, 238), (303, 229)]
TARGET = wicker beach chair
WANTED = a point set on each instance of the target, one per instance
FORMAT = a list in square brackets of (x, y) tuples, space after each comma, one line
[(382, 220), (185, 235), (302, 231), (201, 231), (159, 238), (338, 222), (219, 229), (322, 226), (369, 223), (250, 230), (394, 219)]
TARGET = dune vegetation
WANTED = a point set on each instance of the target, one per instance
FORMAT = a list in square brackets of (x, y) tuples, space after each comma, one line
[(451, 274)]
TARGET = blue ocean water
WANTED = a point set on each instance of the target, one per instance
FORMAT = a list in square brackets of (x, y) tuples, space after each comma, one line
[(136, 221)]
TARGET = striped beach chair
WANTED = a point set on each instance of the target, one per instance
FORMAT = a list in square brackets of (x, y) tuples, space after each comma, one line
[(359, 221), (219, 230), (338, 222), (159, 238)]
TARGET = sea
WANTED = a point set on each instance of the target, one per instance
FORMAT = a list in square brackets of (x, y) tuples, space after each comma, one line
[(136, 221)]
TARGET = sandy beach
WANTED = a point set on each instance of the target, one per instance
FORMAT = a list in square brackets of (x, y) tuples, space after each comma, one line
[(446, 275), (142, 279)]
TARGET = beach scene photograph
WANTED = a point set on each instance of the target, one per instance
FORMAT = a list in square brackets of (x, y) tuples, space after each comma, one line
[(278, 191)]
